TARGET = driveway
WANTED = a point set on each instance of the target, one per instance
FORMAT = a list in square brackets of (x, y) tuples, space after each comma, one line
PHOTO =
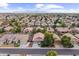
[(35, 45)]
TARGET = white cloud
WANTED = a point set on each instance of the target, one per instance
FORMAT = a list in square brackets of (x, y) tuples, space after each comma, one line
[(47, 6), (63, 11), (53, 6), (19, 9), (43, 8), (39, 5), (7, 9), (40, 1), (3, 5)]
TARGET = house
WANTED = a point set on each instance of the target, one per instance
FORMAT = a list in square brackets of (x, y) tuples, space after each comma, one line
[(9, 38), (7, 29), (28, 29), (49, 29), (75, 30), (15, 37), (39, 28), (1, 22), (77, 36), (57, 41), (37, 38), (22, 37), (56, 38), (62, 30)]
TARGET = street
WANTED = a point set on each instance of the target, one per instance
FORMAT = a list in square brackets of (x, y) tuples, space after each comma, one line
[(41, 51)]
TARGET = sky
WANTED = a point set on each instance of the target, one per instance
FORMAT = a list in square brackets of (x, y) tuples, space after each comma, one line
[(39, 7)]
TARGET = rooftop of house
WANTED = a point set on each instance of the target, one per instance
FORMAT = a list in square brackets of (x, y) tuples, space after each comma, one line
[(62, 29), (22, 37), (38, 37)]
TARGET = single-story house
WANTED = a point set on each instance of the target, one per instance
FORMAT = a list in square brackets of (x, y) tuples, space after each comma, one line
[(75, 30), (15, 37), (77, 36), (38, 37), (39, 28), (22, 37), (28, 29), (57, 41), (49, 29), (62, 30), (9, 28), (1, 22), (56, 38)]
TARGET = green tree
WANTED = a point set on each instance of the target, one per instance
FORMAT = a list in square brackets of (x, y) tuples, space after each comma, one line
[(48, 40), (62, 23), (16, 44), (77, 25), (66, 42), (72, 25), (18, 41), (51, 53), (11, 22), (2, 30), (16, 29), (44, 30), (33, 31), (55, 22), (38, 30)]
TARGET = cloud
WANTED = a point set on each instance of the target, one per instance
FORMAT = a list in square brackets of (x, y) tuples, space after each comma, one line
[(62, 11), (39, 5), (47, 6), (40, 1), (7, 9), (3, 5), (53, 6), (38, 8), (18, 9)]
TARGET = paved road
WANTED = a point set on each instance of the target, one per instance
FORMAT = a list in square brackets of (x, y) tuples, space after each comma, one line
[(38, 51)]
